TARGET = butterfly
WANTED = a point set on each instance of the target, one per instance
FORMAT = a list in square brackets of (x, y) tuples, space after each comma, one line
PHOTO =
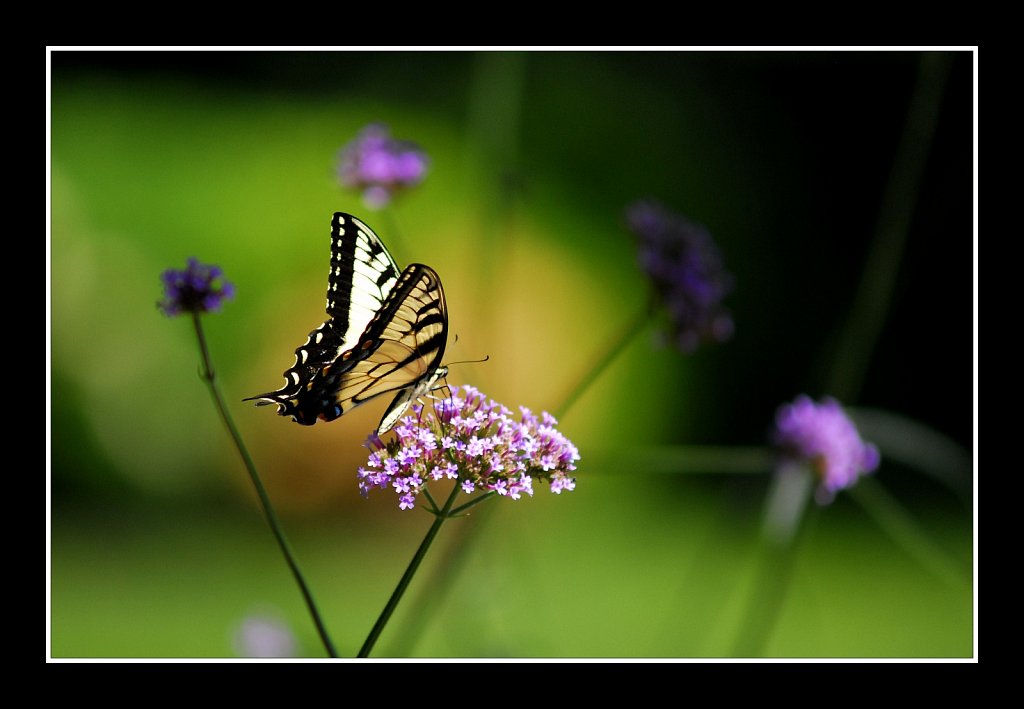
[(386, 332)]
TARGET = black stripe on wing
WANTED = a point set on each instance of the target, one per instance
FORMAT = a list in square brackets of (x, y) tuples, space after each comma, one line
[(361, 277), (400, 351), (415, 314)]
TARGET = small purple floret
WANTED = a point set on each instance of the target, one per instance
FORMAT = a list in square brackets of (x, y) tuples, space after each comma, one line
[(194, 289), (476, 441), (685, 267), (823, 436), (380, 166)]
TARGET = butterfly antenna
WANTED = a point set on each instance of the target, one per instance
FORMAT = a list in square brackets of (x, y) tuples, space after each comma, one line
[(469, 361)]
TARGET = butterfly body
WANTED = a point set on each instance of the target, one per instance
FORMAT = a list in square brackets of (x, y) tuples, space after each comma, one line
[(386, 332)]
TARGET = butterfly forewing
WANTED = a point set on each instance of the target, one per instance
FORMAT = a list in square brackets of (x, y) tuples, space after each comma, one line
[(362, 275), (386, 332)]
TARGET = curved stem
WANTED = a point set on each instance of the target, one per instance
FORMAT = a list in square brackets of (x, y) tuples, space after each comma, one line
[(855, 348), (394, 234), (617, 345), (448, 570), (434, 509), (493, 140), (878, 279), (268, 509), (771, 586), (472, 503), (410, 571), (683, 459), (901, 528)]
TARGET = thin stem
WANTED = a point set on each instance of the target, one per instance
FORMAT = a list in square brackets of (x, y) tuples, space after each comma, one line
[(901, 527), (617, 345), (410, 571), (770, 588), (434, 509), (918, 446), (448, 570), (878, 279), (393, 235), (683, 459), (859, 337), (268, 509), (495, 110), (472, 503)]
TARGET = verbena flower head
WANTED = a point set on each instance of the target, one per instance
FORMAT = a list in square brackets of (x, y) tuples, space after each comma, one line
[(379, 165), (197, 289), (264, 636), (474, 441), (685, 268), (823, 436)]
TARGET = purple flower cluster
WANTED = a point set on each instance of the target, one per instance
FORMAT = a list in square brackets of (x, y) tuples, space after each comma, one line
[(474, 441), (265, 636), (195, 289), (685, 268), (823, 436), (379, 165)]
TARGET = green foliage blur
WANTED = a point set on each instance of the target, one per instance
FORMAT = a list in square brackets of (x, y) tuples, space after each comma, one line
[(157, 547)]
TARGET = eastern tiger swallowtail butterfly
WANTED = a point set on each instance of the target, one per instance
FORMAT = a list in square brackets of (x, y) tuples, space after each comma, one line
[(386, 332)]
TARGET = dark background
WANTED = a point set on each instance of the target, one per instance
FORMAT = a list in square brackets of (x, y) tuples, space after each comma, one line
[(785, 156)]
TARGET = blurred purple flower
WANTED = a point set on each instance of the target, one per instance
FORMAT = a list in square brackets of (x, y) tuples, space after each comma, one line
[(685, 268), (194, 290), (263, 636), (474, 440), (379, 165), (823, 437)]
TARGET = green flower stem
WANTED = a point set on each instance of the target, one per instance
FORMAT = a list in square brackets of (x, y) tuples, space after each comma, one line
[(394, 234), (268, 509), (472, 503), (455, 556), (493, 138), (410, 571), (434, 509), (673, 460), (784, 527), (901, 527), (870, 305), (917, 446), (771, 586), (855, 348), (617, 345)]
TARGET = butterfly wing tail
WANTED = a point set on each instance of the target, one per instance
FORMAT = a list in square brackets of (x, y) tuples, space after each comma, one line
[(286, 406), (263, 399)]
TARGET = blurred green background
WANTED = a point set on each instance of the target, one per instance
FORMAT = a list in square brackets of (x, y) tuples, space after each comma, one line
[(157, 547)]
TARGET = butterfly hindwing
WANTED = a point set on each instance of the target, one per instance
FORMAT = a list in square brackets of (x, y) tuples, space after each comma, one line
[(386, 332), (403, 348)]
